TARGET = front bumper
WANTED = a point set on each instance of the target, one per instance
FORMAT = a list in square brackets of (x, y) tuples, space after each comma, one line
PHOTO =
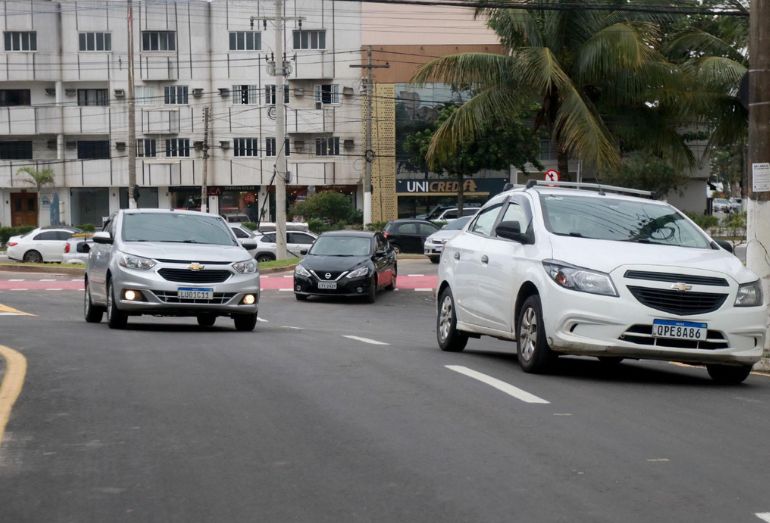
[(160, 295), (308, 286), (586, 324), (433, 249)]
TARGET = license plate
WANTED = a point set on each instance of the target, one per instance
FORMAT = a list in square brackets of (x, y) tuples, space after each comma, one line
[(682, 330), (195, 293), (331, 285)]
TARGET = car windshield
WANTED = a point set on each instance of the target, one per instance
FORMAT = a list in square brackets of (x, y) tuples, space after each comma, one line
[(457, 224), (176, 228), (620, 220), (341, 246)]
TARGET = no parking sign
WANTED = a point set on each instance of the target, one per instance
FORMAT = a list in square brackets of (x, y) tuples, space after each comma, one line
[(552, 175)]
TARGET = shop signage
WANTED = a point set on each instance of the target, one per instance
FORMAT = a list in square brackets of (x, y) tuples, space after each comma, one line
[(477, 185)]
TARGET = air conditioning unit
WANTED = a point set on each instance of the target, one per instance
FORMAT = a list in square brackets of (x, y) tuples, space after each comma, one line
[(197, 92), (224, 144), (224, 92), (120, 146), (348, 143), (299, 91), (70, 92), (50, 91), (319, 105), (347, 91), (120, 93), (299, 145)]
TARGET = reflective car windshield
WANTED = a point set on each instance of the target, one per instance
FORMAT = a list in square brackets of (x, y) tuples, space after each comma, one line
[(457, 224), (176, 228), (620, 220), (341, 246)]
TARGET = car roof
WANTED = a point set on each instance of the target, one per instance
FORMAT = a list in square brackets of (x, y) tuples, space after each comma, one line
[(166, 211), (562, 191), (410, 220), (358, 234)]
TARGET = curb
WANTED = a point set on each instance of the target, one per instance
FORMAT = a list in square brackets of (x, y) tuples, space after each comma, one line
[(273, 270), (56, 269)]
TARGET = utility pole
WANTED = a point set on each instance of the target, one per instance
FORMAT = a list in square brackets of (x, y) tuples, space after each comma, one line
[(758, 230), (132, 188), (280, 69), (204, 188), (369, 152)]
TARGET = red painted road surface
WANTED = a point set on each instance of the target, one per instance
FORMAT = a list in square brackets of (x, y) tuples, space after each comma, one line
[(271, 282)]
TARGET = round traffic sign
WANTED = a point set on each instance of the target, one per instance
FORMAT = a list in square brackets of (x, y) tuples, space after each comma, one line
[(552, 175)]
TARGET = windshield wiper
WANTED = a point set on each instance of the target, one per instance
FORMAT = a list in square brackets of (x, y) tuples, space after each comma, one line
[(183, 241)]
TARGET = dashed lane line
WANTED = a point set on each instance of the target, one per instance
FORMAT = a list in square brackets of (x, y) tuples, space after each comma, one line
[(423, 290), (365, 340), (500, 385), (11, 385)]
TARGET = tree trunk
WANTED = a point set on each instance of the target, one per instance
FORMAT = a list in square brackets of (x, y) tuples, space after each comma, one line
[(460, 194), (563, 165)]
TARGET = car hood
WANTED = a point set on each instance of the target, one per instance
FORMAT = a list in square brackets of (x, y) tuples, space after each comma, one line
[(443, 235), (186, 251), (606, 256), (332, 263)]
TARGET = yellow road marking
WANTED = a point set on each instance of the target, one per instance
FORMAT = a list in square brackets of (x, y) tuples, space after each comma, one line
[(10, 387), (5, 310)]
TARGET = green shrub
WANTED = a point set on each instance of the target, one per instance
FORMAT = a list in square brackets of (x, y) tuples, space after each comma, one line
[(87, 227), (376, 226), (250, 225), (318, 226), (7, 232), (704, 221)]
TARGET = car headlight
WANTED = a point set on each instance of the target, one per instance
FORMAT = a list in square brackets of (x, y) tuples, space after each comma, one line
[(129, 261), (579, 279), (245, 267), (299, 270), (749, 295), (359, 273)]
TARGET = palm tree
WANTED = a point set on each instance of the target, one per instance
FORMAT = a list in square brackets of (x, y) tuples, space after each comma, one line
[(581, 66), (38, 178)]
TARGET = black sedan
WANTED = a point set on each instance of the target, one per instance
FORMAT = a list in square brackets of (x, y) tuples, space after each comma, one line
[(346, 263), (408, 235)]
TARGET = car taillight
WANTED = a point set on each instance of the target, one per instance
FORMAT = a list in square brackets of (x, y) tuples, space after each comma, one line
[(12, 244), (66, 248)]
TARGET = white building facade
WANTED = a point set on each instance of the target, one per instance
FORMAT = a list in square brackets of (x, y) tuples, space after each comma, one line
[(64, 104)]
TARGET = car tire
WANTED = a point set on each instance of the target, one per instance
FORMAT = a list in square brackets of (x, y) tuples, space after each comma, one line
[(729, 374), (534, 354), (116, 319), (262, 257), (434, 259), (300, 297), (32, 257), (92, 313), (371, 294), (392, 285), (449, 338), (206, 320), (245, 322)]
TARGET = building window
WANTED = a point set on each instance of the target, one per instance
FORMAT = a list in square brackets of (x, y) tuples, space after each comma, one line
[(16, 150), (327, 94), (146, 148), (93, 97), (308, 39), (246, 146), (329, 146), (95, 42), (270, 94), (175, 94), (20, 41), (93, 149), (177, 147), (11, 97), (270, 147), (246, 94), (145, 95), (245, 41), (158, 40)]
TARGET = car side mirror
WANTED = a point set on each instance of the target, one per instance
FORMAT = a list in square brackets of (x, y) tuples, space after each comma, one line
[(83, 248), (511, 231), (103, 238), (249, 245), (725, 245)]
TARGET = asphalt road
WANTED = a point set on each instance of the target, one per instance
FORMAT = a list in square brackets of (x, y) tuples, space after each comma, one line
[(299, 422)]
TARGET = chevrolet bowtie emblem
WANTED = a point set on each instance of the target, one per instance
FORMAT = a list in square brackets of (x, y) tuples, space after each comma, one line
[(196, 267), (681, 287), (328, 275)]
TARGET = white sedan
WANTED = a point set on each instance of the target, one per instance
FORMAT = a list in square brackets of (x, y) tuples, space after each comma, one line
[(44, 244)]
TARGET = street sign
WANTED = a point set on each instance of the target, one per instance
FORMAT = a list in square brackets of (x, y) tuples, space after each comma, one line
[(760, 177), (552, 175)]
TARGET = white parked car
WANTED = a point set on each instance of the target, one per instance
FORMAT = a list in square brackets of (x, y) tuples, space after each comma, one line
[(76, 250), (297, 244), (598, 273), (434, 244), (244, 234), (44, 244)]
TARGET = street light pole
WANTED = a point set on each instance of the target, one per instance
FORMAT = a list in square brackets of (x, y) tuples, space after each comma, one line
[(131, 112)]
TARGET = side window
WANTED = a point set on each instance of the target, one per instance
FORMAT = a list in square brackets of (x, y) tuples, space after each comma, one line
[(517, 213), (450, 215), (470, 212), (427, 230), (239, 233), (298, 237), (407, 228), (63, 235), (485, 220), (269, 238), (48, 235)]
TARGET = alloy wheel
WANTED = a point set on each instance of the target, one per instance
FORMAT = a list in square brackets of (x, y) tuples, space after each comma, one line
[(445, 318), (528, 334)]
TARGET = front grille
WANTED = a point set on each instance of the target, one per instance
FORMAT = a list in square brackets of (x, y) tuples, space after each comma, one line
[(220, 298), (642, 335), (188, 276), (321, 275), (676, 278), (676, 302), (188, 262)]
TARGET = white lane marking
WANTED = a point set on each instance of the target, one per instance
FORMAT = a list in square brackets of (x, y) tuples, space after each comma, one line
[(502, 386), (291, 327), (19, 289), (414, 275), (285, 290), (10, 314), (289, 276), (263, 320), (77, 279), (658, 460), (48, 279), (562, 414), (22, 279), (764, 516), (54, 289), (365, 340), (423, 290)]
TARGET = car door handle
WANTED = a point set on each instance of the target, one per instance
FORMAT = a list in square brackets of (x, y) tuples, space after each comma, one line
[(457, 255), (484, 259)]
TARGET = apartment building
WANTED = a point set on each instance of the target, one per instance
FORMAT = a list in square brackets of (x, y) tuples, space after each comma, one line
[(64, 104)]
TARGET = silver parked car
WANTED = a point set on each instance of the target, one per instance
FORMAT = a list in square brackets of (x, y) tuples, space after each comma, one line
[(434, 243), (170, 263)]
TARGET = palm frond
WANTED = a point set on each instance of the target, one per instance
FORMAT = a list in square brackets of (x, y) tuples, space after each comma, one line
[(467, 69), (616, 49), (697, 42)]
